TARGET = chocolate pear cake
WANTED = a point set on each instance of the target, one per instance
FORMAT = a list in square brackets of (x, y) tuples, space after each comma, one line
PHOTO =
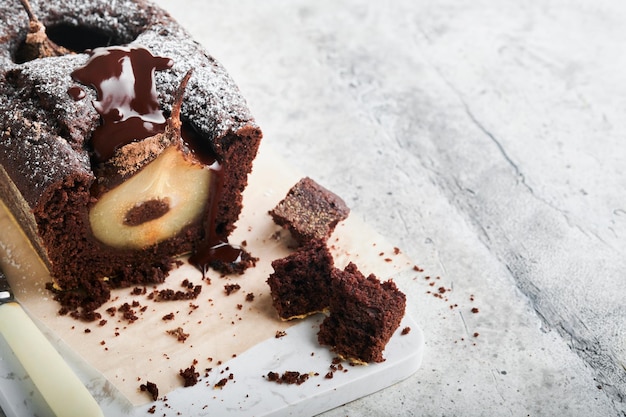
[(115, 158)]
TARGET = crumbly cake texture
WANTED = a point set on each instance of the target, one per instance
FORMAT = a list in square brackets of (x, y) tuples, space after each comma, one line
[(364, 314), (310, 211), (300, 283), (46, 169)]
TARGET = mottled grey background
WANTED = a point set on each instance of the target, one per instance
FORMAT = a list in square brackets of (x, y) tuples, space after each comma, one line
[(487, 140)]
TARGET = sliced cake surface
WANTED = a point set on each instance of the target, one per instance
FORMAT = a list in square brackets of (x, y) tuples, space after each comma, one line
[(310, 211), (364, 314), (300, 284)]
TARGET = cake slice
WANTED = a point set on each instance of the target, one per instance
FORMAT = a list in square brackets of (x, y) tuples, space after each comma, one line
[(364, 314), (300, 284), (310, 211), (106, 198)]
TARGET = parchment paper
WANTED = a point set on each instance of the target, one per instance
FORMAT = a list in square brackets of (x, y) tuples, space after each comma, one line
[(219, 326)]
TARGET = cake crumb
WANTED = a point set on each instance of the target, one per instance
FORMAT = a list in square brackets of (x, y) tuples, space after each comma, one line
[(221, 383), (151, 388), (179, 333), (171, 295), (231, 288), (288, 377), (190, 376)]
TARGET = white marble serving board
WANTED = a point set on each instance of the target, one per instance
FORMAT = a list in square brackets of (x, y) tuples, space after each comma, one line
[(249, 393)]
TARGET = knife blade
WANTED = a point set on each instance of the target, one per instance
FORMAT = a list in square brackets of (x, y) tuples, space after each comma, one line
[(57, 383)]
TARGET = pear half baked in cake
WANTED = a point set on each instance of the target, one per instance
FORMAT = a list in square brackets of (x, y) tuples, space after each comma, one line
[(115, 158)]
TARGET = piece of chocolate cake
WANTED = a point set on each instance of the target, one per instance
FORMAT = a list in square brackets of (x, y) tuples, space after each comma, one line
[(300, 283), (105, 195), (309, 211), (364, 314)]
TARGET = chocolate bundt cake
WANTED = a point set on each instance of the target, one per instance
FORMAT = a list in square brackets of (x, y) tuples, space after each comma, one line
[(111, 160)]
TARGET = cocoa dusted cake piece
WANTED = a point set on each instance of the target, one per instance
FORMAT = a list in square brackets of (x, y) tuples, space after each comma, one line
[(364, 314), (300, 284), (310, 211), (106, 194)]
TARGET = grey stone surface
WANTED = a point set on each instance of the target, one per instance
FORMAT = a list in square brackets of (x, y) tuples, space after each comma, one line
[(487, 140)]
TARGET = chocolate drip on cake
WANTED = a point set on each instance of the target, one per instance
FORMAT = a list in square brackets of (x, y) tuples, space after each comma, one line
[(127, 98)]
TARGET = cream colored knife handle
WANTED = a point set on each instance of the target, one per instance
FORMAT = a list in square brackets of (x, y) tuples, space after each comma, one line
[(58, 384)]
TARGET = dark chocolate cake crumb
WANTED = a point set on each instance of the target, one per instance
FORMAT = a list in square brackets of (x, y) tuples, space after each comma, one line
[(405, 331), (138, 291), (171, 295), (179, 333), (231, 288), (221, 383), (301, 282), (128, 313), (151, 388), (190, 376), (288, 377)]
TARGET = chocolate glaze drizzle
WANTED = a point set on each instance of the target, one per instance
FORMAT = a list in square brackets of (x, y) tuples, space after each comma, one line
[(128, 105), (212, 250), (127, 99)]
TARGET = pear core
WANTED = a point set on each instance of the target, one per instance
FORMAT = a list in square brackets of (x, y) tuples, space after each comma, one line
[(171, 178)]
